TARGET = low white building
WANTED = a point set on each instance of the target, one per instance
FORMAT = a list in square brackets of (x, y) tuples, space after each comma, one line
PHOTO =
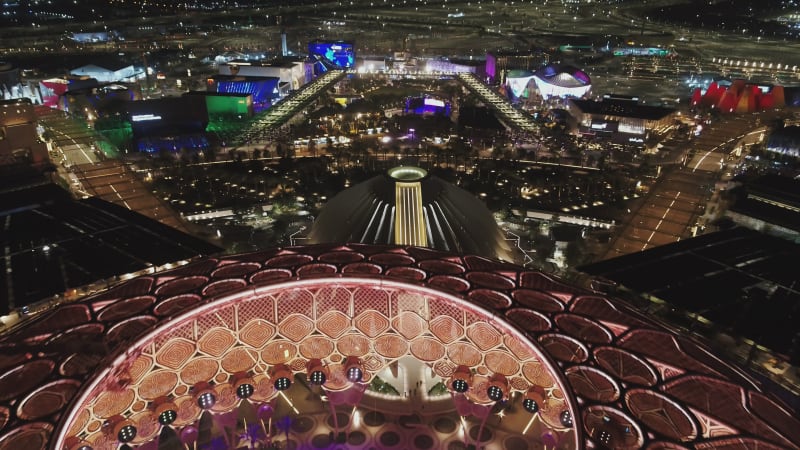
[(371, 65), (292, 72), (123, 73)]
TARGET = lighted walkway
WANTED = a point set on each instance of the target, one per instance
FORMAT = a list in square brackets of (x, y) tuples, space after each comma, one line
[(261, 127), (512, 116), (287, 108)]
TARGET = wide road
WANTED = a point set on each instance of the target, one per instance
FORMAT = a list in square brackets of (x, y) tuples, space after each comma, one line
[(675, 206), (73, 141), (93, 173), (666, 214)]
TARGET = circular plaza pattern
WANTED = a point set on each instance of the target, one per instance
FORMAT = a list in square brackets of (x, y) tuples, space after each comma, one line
[(194, 355)]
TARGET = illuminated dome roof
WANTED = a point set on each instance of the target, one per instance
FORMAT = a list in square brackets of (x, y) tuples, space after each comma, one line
[(563, 76), (518, 80), (561, 81), (416, 349), (407, 206), (519, 74)]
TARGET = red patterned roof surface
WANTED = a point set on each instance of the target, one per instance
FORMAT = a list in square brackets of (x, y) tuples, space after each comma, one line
[(609, 375)]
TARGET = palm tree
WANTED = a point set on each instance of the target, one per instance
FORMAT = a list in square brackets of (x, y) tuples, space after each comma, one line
[(312, 147), (359, 148), (456, 148)]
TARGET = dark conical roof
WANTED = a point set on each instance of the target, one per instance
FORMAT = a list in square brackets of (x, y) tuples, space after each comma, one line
[(454, 219)]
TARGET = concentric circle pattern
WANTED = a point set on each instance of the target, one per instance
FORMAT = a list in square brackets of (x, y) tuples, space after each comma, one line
[(618, 376)]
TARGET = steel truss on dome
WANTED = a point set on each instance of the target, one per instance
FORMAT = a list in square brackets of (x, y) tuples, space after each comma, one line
[(369, 346)]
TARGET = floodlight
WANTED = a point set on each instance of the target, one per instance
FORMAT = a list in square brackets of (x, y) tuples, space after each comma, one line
[(461, 379), (281, 377), (497, 389), (204, 395), (353, 369), (317, 374)]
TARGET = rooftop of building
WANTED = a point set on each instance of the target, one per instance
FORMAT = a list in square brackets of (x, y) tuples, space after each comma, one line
[(217, 94), (105, 63), (55, 244), (514, 52), (563, 75), (767, 212), (467, 61), (225, 77), (790, 132), (622, 108), (284, 63), (742, 281), (15, 101), (771, 198), (49, 64), (776, 187)]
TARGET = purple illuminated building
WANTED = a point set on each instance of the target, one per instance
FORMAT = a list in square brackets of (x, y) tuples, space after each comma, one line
[(427, 106)]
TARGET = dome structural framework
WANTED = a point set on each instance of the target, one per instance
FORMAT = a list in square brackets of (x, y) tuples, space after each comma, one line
[(611, 376)]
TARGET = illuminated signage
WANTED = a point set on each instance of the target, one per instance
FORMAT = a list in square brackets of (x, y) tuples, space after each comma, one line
[(144, 117), (599, 126), (640, 51), (337, 54), (635, 139), (434, 102), (631, 128)]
